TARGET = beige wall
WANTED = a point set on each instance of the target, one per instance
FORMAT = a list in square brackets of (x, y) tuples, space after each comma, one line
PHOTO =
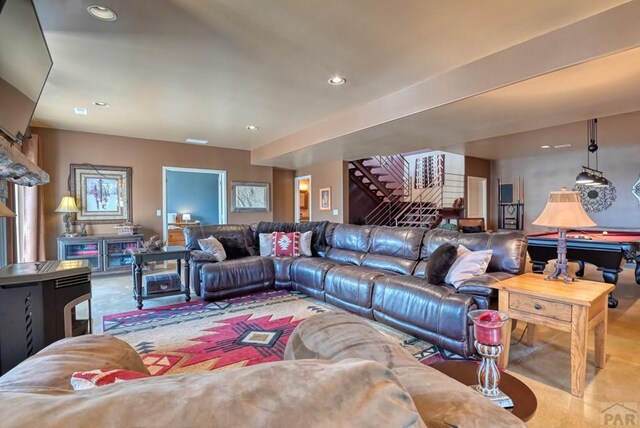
[(146, 157), (556, 168), (15, 108), (335, 175), (283, 183)]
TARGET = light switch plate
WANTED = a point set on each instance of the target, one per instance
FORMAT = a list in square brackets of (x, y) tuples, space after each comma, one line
[(159, 213), (336, 212)]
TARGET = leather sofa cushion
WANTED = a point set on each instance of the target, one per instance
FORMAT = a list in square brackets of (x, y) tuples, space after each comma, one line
[(345, 256), (352, 237), (328, 233), (428, 307), (311, 271), (282, 271), (352, 284), (434, 238), (231, 274), (509, 248), (241, 232), (402, 242), (318, 242), (388, 263)]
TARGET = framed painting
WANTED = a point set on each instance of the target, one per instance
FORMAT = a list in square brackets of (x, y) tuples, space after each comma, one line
[(325, 198), (249, 197), (102, 193)]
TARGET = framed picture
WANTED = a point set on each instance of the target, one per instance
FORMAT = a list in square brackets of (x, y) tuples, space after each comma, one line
[(102, 193), (249, 197), (325, 198)]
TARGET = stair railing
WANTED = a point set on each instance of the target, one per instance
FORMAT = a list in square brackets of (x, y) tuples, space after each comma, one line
[(397, 167)]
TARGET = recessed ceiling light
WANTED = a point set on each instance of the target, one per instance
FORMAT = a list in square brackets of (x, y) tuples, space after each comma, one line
[(252, 128), (545, 147), (101, 104), (337, 81), (196, 141), (562, 146), (80, 110), (102, 13)]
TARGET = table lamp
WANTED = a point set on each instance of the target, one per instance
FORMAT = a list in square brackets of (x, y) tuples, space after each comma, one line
[(5, 211), (563, 211), (67, 206), (186, 217)]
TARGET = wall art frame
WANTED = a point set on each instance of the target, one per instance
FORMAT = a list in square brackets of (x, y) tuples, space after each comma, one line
[(325, 199), (102, 193), (250, 197)]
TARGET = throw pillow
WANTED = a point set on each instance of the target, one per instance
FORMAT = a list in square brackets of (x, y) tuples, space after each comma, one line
[(214, 247), (471, 229), (305, 243), (266, 244), (234, 247), (468, 265), (286, 244), (440, 262), (100, 377)]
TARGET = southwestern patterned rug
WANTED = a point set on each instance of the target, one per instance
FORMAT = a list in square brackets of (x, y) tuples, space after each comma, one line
[(200, 336)]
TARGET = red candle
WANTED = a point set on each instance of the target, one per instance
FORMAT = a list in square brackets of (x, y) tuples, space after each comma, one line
[(488, 328)]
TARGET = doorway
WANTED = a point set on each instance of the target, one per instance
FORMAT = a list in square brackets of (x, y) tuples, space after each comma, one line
[(302, 204), (191, 196), (477, 197)]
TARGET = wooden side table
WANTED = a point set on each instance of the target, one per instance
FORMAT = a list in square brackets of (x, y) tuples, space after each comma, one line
[(139, 256), (575, 308)]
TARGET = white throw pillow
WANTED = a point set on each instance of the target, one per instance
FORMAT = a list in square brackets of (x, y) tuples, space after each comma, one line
[(266, 244), (305, 243), (212, 246), (467, 265)]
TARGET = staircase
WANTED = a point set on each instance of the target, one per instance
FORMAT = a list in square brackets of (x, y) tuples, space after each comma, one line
[(403, 200), (385, 179)]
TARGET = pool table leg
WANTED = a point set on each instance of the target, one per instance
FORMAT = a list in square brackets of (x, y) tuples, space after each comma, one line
[(611, 277), (538, 267), (580, 271)]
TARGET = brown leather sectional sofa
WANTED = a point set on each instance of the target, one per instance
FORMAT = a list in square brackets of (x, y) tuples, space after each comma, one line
[(374, 271)]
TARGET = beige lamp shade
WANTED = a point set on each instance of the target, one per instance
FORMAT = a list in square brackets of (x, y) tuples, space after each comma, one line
[(564, 210), (5, 211), (186, 217), (67, 205)]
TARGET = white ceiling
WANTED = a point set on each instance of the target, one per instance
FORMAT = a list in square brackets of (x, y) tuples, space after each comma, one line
[(175, 69)]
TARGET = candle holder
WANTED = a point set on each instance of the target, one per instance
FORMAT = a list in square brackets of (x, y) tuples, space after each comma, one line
[(488, 332)]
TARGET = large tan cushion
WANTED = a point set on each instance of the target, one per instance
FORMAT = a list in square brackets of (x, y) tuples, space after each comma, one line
[(441, 400), (52, 367), (349, 393)]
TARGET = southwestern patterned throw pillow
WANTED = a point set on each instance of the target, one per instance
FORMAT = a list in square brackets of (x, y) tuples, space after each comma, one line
[(99, 377), (286, 244)]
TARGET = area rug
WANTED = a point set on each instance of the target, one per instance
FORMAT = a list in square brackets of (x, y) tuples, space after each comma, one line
[(201, 336)]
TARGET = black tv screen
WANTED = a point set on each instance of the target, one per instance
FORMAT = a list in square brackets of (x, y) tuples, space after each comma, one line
[(25, 63)]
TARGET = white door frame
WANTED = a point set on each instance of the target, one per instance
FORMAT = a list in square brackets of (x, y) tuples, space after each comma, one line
[(482, 196), (222, 193), (296, 197)]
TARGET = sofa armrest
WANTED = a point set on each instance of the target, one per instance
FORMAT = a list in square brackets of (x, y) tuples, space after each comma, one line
[(480, 287), (52, 367), (201, 256)]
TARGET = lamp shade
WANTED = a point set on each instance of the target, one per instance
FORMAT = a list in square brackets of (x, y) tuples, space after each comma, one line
[(5, 211), (186, 217), (564, 210), (67, 205)]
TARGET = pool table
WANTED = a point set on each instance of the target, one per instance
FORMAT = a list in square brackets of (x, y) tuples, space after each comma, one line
[(606, 249)]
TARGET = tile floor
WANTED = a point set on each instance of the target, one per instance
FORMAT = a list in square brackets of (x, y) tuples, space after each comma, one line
[(545, 368)]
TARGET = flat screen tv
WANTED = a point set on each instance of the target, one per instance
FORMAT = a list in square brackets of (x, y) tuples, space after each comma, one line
[(25, 63)]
